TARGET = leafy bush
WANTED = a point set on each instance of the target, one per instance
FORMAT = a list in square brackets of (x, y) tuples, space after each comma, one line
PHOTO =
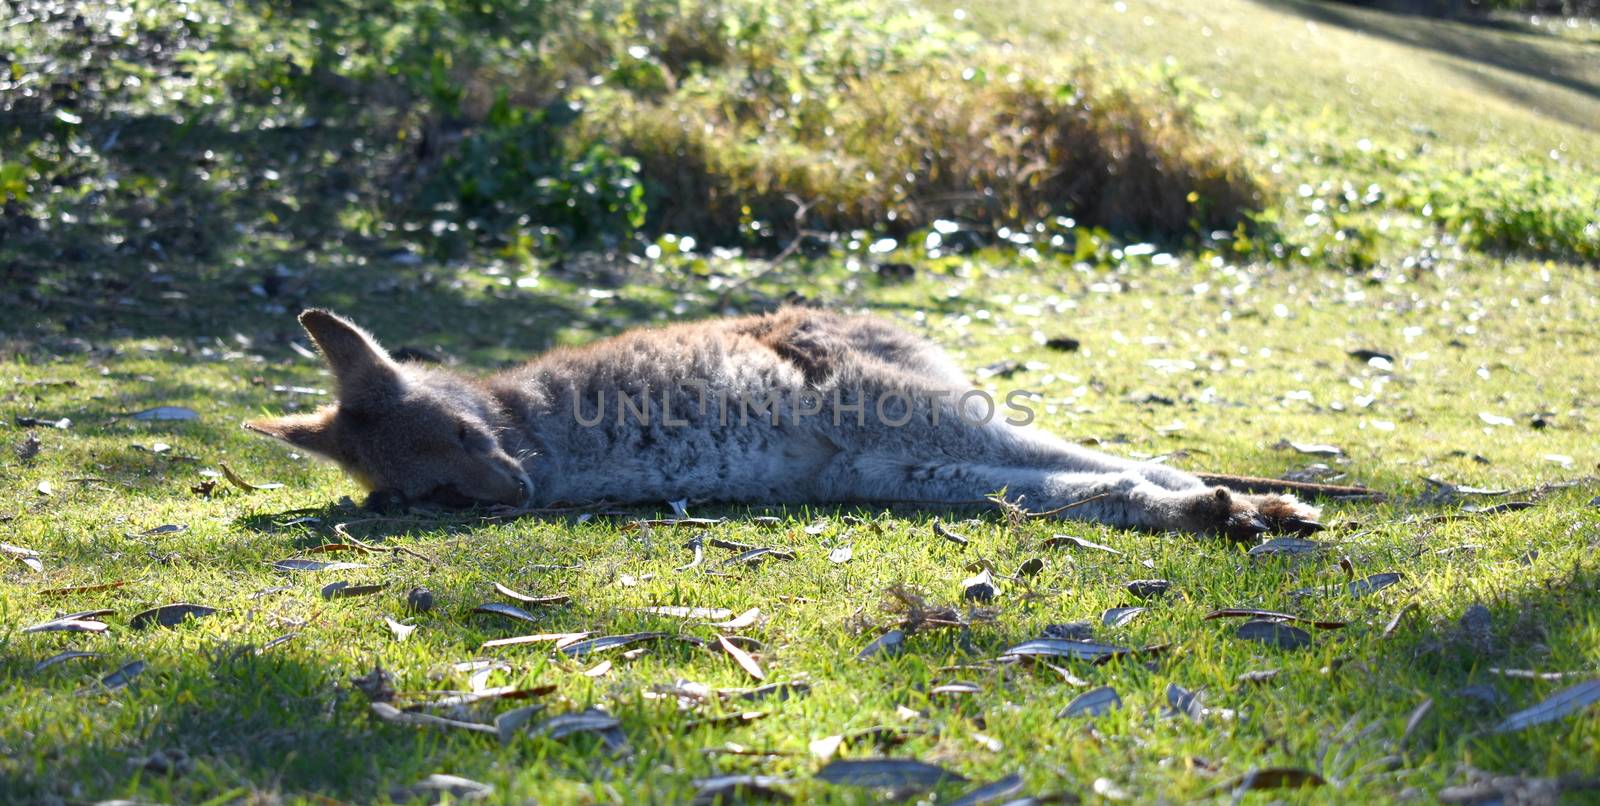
[(561, 121)]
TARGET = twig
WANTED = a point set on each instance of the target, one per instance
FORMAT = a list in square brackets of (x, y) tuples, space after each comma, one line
[(339, 529)]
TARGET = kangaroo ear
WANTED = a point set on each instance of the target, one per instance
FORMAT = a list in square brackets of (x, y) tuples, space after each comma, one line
[(358, 363), (313, 432)]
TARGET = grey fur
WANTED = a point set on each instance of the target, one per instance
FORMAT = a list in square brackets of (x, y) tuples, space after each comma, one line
[(542, 414)]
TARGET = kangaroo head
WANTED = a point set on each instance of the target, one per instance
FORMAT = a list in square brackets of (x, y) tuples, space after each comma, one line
[(404, 432)]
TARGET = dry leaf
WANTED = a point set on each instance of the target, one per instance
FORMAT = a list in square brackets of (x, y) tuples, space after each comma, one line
[(603, 643), (886, 773), (979, 588), (62, 658), (345, 590), (727, 789), (742, 658), (530, 600), (996, 790), (122, 676), (890, 643), (401, 631), (1057, 648), (688, 612), (1092, 703), (160, 413), (169, 615), (508, 611), (395, 716), (1271, 615), (69, 625), (236, 480), (560, 639), (1274, 633), (1120, 616), (104, 586), (825, 748), (739, 622), (1563, 703), (1071, 542), (298, 564), (939, 530), (433, 788), (1268, 778)]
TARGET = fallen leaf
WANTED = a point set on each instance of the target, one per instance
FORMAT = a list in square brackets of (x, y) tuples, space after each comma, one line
[(1120, 616), (1287, 546), (395, 716), (1274, 633), (1092, 703), (345, 590), (598, 670), (531, 600), (46, 488), (1563, 703), (688, 612), (886, 773), (169, 615), (890, 643), (104, 586), (1257, 676), (1186, 702), (995, 790), (841, 555), (1313, 449), (979, 588), (558, 638), (825, 748), (728, 789), (783, 691), (603, 643), (742, 658), (437, 786), (508, 723), (401, 631), (1271, 615), (589, 720), (508, 611), (122, 676), (1069, 541), (236, 480), (739, 622), (166, 413), (1030, 567), (298, 564), (62, 658), (939, 530), (1268, 778), (69, 625), (757, 555), (1372, 584), (1395, 621), (1057, 648), (1148, 588), (331, 548)]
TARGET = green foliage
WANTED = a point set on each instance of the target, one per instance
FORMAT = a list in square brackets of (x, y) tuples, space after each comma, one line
[(1526, 207)]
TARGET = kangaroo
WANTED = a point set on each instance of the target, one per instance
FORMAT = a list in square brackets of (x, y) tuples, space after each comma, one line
[(790, 407)]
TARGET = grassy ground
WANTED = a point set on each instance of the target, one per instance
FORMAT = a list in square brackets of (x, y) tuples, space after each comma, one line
[(1210, 364)]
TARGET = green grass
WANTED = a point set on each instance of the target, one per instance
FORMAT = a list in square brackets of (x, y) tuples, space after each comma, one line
[(286, 722), (1250, 347)]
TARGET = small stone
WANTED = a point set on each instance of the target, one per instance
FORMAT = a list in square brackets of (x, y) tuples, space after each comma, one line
[(420, 600)]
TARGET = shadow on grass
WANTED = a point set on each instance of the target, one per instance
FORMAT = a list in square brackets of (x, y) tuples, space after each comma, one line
[(1478, 43)]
